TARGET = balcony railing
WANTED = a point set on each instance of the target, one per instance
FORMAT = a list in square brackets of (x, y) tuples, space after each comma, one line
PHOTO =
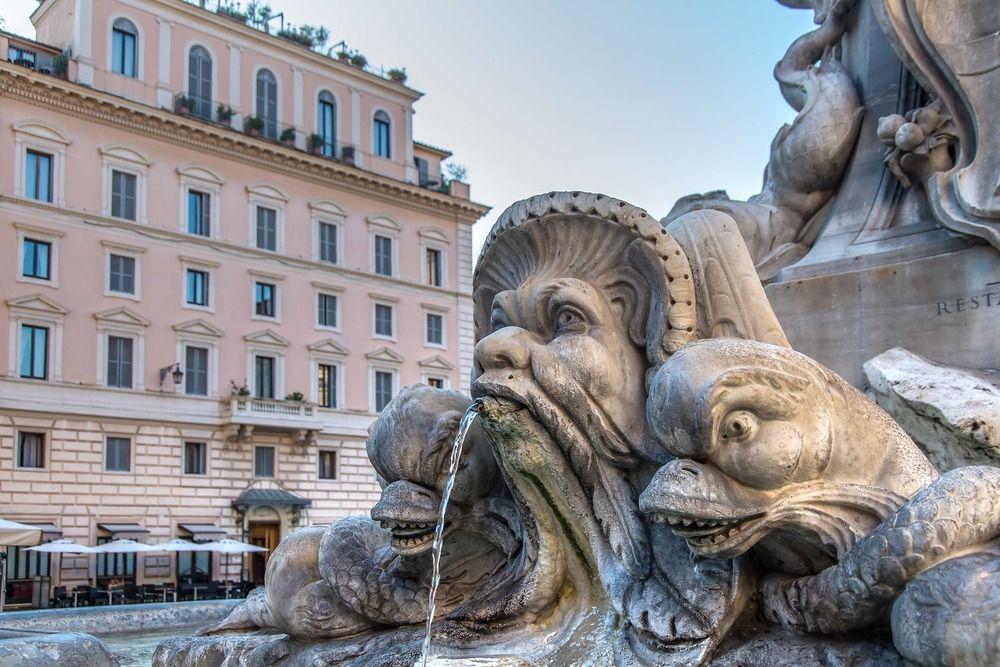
[(245, 414), (251, 406), (202, 108)]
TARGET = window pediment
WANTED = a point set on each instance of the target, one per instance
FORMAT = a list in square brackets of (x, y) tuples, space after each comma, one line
[(36, 303), (40, 130), (121, 315), (198, 327), (383, 222), (385, 355), (328, 208), (126, 154), (266, 191), (267, 337), (199, 173), (434, 234), (329, 346), (436, 363)]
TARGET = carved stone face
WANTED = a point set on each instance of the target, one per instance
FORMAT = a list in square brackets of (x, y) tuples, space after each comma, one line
[(560, 347)]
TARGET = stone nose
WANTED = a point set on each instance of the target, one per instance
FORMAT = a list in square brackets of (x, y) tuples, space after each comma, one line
[(507, 348)]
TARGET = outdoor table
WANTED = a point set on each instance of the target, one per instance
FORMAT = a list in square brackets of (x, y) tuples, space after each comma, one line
[(111, 592), (76, 597), (229, 586), (194, 591), (168, 589)]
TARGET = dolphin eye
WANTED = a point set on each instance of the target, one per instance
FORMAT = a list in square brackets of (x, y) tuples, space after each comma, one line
[(739, 425)]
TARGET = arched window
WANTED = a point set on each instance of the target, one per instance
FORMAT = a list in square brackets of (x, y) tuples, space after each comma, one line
[(326, 123), (267, 102), (124, 37), (380, 134), (200, 81)]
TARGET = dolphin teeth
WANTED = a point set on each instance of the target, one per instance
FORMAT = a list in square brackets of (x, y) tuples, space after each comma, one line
[(686, 522), (673, 520)]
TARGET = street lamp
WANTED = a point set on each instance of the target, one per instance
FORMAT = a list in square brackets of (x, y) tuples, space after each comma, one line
[(175, 371)]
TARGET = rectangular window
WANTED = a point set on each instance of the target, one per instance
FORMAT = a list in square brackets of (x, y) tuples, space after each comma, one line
[(121, 274), (110, 566), (327, 464), (199, 213), (263, 462), (195, 458), (434, 276), (195, 370), (383, 389), (38, 176), (123, 188), (119, 362), (326, 385), (22, 567), (327, 242), (327, 310), (118, 455), (381, 130), (34, 352), (30, 450), (435, 329), (263, 376), (383, 320), (265, 302), (383, 255), (194, 567), (36, 259), (197, 287), (267, 228), (123, 52), (437, 383)]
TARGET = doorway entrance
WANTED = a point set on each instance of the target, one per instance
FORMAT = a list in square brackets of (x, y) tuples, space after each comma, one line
[(262, 534)]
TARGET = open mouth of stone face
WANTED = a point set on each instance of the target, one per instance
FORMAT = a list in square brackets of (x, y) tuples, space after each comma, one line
[(410, 538), (710, 536)]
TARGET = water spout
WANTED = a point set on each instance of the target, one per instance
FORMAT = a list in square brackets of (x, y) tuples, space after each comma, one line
[(456, 456)]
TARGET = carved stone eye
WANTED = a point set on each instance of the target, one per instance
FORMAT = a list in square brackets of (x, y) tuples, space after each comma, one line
[(569, 320), (739, 425)]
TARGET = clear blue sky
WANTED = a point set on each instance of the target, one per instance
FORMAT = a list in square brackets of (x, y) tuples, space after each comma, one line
[(646, 101)]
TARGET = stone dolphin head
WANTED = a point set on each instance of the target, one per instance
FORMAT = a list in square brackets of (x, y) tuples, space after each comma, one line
[(776, 450), (409, 446)]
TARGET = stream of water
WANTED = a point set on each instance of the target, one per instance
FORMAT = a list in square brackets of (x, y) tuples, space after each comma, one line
[(456, 456)]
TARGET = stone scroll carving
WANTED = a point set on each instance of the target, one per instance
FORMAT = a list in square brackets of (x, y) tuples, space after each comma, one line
[(953, 48)]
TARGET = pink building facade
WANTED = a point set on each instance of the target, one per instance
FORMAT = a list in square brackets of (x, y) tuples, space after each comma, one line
[(223, 253)]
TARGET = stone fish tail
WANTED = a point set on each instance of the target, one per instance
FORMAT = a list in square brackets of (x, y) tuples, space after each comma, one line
[(956, 511)]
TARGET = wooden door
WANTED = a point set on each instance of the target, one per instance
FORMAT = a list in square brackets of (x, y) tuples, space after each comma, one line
[(262, 535)]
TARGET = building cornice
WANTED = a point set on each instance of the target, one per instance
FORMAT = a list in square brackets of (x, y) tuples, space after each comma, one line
[(95, 106), (61, 215)]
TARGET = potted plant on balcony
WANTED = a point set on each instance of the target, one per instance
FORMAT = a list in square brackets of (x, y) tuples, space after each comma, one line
[(347, 154), (358, 60), (255, 126), (60, 66), (238, 389), (224, 113), (316, 143), (296, 396), (288, 136), (344, 56), (184, 104), (398, 75)]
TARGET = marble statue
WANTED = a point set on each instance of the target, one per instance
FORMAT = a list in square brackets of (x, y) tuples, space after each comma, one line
[(655, 477)]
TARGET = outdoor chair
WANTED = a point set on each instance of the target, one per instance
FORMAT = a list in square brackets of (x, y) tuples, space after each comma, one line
[(132, 594), (212, 590), (150, 594), (185, 592), (60, 598), (95, 596)]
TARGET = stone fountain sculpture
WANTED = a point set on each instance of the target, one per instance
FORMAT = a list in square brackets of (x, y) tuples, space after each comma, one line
[(656, 477)]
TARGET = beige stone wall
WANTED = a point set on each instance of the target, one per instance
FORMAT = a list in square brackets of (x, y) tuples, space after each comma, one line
[(74, 491)]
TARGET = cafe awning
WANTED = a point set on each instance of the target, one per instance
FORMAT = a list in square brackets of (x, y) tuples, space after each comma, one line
[(119, 530), (201, 532), (255, 497), (49, 530)]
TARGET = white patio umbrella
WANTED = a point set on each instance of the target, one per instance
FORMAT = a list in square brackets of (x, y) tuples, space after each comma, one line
[(178, 544), (122, 546), (14, 534), (62, 547), (229, 546)]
